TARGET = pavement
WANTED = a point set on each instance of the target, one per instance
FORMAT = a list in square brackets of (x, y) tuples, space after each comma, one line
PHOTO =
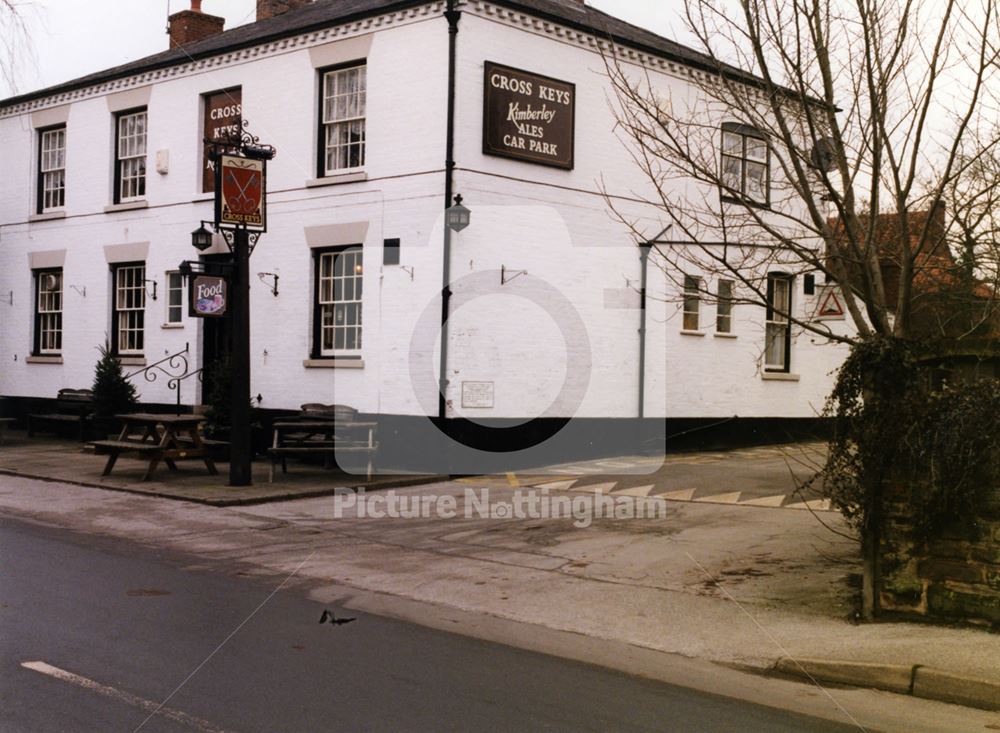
[(768, 587)]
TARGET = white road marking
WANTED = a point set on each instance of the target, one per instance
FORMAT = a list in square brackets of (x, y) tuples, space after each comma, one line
[(771, 501), (598, 488), (733, 497), (818, 505), (557, 485), (640, 491), (129, 699), (682, 495)]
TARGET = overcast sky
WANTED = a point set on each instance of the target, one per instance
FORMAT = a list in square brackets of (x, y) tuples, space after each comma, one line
[(75, 37)]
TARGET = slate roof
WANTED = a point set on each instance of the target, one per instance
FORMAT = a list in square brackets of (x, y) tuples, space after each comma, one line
[(324, 13)]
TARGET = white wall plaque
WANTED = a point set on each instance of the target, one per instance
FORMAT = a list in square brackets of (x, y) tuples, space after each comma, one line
[(477, 395)]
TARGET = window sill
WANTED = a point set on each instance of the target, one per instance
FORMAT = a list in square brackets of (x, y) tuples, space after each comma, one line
[(693, 333), (333, 364), (47, 216), (130, 206), (779, 377), (43, 359), (132, 360), (201, 198), (745, 202), (337, 179), (725, 335), (171, 325)]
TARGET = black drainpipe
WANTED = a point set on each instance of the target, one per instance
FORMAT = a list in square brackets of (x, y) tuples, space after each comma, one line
[(644, 250), (452, 15)]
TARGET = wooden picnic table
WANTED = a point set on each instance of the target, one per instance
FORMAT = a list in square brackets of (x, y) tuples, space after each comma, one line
[(163, 437), (326, 437)]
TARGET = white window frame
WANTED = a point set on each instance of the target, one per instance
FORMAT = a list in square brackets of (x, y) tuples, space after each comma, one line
[(339, 302), (129, 305), (724, 307), (48, 312), (777, 328), (173, 286), (691, 310), (52, 169), (343, 120), (744, 151), (131, 131)]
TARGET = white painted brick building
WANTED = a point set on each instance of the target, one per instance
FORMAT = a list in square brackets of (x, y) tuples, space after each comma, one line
[(566, 259)]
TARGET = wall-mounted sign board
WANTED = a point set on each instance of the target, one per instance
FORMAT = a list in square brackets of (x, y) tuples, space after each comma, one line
[(223, 117), (477, 395), (528, 117)]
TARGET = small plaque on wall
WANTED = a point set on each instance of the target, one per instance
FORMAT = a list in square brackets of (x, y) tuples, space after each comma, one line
[(477, 395)]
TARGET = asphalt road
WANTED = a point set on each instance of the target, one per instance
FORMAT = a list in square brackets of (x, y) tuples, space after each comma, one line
[(96, 634)]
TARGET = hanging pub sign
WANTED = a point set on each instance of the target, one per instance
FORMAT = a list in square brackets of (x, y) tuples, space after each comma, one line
[(208, 296), (528, 117), (240, 196), (223, 118)]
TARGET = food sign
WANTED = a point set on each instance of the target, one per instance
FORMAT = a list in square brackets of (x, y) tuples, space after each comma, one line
[(209, 297)]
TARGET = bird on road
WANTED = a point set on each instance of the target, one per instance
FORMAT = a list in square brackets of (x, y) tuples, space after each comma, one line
[(328, 615)]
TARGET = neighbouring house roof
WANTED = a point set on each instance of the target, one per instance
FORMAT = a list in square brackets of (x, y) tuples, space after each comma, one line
[(324, 13)]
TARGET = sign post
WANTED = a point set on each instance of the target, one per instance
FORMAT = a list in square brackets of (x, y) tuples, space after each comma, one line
[(240, 216)]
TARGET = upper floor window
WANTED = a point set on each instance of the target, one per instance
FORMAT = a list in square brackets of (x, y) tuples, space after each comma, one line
[(337, 326), (746, 164), (342, 119), (778, 334), (692, 302), (128, 314), (48, 311), (51, 169), (130, 156)]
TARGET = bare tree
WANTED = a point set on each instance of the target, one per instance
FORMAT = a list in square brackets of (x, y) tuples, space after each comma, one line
[(16, 50), (848, 138)]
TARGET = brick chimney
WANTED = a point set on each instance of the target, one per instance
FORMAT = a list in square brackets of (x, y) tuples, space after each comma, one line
[(189, 26), (270, 8)]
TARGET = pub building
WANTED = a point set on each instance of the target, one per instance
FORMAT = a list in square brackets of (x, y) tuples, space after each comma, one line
[(382, 113)]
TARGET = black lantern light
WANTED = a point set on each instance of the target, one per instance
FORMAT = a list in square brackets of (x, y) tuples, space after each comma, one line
[(457, 217), (201, 238)]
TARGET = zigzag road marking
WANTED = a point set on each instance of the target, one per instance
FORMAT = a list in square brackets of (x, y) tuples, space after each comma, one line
[(639, 491), (732, 497), (769, 501), (682, 495), (817, 505)]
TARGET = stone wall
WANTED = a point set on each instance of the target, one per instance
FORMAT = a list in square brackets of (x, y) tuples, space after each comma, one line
[(955, 577)]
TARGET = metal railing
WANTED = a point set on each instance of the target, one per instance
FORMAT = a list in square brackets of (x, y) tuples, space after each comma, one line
[(175, 367)]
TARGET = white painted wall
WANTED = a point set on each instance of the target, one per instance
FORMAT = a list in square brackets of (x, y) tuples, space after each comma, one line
[(582, 267)]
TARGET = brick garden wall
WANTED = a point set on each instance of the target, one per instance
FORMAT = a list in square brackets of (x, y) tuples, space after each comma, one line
[(953, 578)]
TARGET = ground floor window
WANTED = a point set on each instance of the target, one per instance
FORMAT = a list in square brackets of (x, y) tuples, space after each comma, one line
[(724, 307), (692, 302), (48, 311), (128, 313), (175, 298), (777, 352), (337, 321)]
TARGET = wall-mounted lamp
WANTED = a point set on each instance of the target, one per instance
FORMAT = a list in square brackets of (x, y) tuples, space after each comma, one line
[(507, 275), (152, 296), (201, 238), (263, 276), (457, 217)]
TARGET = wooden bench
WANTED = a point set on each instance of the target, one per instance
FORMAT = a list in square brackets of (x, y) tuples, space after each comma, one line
[(73, 407), (163, 438), (322, 430)]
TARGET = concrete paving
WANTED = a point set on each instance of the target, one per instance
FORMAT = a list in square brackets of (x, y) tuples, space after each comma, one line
[(737, 584)]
